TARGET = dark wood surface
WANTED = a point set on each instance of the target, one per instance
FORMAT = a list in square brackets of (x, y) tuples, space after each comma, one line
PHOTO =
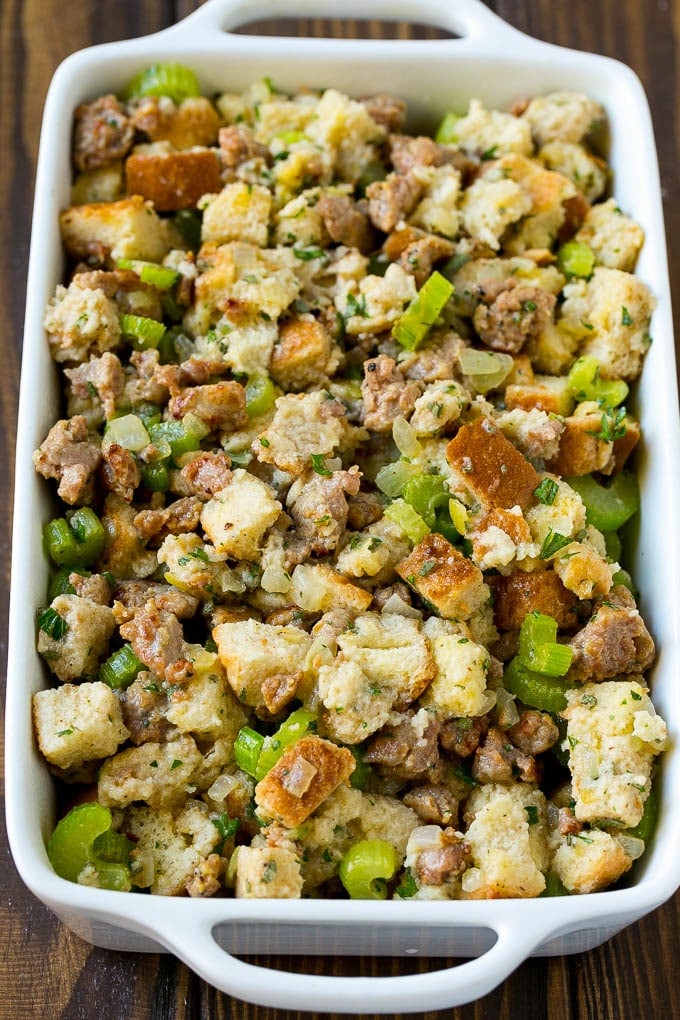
[(44, 969)]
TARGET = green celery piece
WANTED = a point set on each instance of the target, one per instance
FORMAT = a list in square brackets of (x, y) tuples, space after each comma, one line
[(608, 507), (69, 848)]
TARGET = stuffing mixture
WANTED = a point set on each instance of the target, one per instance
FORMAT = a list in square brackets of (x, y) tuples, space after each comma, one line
[(337, 606)]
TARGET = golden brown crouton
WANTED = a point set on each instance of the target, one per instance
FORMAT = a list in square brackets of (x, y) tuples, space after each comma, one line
[(128, 229), (549, 393), (173, 180), (194, 122), (304, 354), (490, 468), (581, 451), (302, 778), (442, 576), (517, 594)]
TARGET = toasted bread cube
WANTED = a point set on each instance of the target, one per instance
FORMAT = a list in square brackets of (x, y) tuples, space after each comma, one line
[(204, 705), (89, 626), (303, 777), (487, 466), (239, 212), (443, 577), (549, 393), (590, 864), (104, 184), (267, 872), (319, 588), (173, 180), (300, 429), (392, 652), (304, 354), (78, 723), (566, 515), (489, 207), (236, 517), (583, 570), (613, 736), (588, 172), (158, 774), (519, 593), (615, 238), (482, 130), (356, 706), (581, 451), (374, 551), (611, 312), (177, 851), (128, 229), (562, 116), (459, 688), (252, 652), (193, 122), (509, 854)]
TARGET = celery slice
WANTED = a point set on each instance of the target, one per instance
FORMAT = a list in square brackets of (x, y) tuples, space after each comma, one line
[(405, 517), (412, 327), (174, 80)]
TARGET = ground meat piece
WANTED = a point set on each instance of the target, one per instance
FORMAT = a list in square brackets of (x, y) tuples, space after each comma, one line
[(103, 133), (291, 616), (195, 371), (383, 595), (615, 641), (534, 733), (330, 626), (535, 433), (207, 877), (437, 359), (144, 706), (433, 803), (157, 641), (421, 255), (462, 736), (347, 222), (279, 689), (220, 406), (146, 382), (120, 471), (237, 145), (407, 152), (96, 587), (386, 394), (132, 595), (124, 286), (363, 508), (568, 823), (391, 200), (71, 455), (386, 110), (319, 508), (103, 375), (178, 518), (499, 761), (519, 312), (435, 865), (207, 473), (407, 748)]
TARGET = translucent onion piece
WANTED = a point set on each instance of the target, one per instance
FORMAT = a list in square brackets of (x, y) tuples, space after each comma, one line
[(485, 369), (506, 709), (392, 478), (632, 846), (405, 438), (396, 606)]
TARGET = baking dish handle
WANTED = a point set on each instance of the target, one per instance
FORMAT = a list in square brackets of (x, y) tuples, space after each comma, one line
[(196, 946), (464, 18)]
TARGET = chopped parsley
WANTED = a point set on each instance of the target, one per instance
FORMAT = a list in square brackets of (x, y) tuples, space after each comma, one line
[(612, 425), (52, 624), (269, 871), (319, 464), (355, 306), (626, 319), (546, 492), (532, 814), (227, 828), (307, 254), (552, 543), (427, 567), (408, 886)]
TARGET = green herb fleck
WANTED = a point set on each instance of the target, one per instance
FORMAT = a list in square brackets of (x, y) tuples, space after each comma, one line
[(319, 464)]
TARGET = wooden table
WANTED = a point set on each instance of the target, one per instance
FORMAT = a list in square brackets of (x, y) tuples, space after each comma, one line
[(44, 969)]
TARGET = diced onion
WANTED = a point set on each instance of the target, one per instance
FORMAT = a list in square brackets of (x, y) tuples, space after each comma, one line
[(507, 714), (392, 478), (471, 880), (128, 432), (276, 579), (299, 777), (308, 590), (395, 605), (485, 369), (405, 438), (222, 787), (632, 846)]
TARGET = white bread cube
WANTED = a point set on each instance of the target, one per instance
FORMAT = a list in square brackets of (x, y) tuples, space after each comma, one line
[(251, 652), (159, 774), (240, 212), (77, 653), (267, 872), (236, 517), (127, 229), (78, 723)]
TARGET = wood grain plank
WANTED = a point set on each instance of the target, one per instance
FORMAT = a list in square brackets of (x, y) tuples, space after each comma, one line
[(45, 969)]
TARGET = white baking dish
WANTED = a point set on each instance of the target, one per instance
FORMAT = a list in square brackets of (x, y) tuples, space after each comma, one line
[(498, 64)]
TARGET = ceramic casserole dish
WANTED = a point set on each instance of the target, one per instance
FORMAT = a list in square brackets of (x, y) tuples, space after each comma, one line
[(494, 62)]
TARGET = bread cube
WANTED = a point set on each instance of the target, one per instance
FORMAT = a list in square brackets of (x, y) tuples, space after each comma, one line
[(76, 654), (481, 131), (588, 172), (267, 872), (239, 212), (236, 517), (489, 207), (519, 593), (449, 582), (78, 723), (549, 393), (304, 354), (301, 428), (251, 652), (128, 229), (318, 588), (173, 180), (307, 772), (205, 705), (562, 116), (158, 774), (489, 468), (459, 686), (589, 862)]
